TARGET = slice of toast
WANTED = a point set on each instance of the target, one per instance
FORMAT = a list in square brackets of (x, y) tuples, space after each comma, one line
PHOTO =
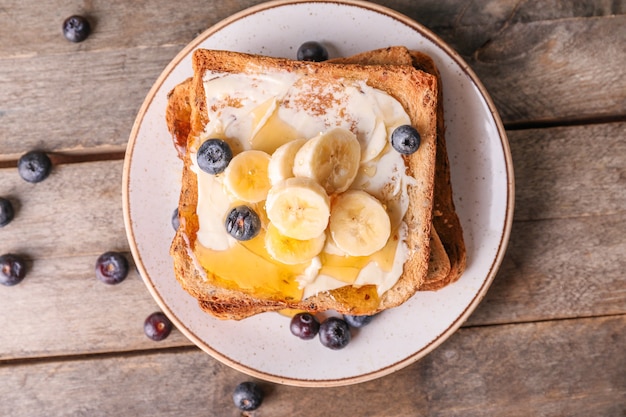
[(445, 220), (414, 89), (441, 271)]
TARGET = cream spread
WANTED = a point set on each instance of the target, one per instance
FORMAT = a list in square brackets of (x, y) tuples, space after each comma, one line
[(266, 110)]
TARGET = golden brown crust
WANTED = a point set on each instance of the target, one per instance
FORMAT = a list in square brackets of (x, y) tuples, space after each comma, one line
[(445, 220), (415, 90)]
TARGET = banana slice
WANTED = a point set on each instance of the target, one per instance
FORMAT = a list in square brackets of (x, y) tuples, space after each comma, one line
[(246, 176), (292, 251), (331, 158), (281, 162), (359, 224), (298, 207)]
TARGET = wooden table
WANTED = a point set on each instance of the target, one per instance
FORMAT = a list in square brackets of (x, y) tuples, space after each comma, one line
[(549, 339)]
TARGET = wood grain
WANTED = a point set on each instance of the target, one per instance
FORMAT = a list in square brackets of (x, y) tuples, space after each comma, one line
[(565, 257), (568, 368), (535, 62), (547, 340), (569, 172)]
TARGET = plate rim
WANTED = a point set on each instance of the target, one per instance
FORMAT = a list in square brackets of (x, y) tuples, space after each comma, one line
[(444, 335)]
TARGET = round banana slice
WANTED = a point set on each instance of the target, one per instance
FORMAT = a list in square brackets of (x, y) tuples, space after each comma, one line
[(281, 162), (298, 207), (292, 251), (359, 224), (332, 159), (246, 176)]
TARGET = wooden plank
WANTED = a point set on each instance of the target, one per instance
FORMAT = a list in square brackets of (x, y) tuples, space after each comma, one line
[(119, 24), (569, 172), (116, 24), (536, 70), (78, 102), (76, 211), (62, 309), (571, 367), (557, 269), (561, 70)]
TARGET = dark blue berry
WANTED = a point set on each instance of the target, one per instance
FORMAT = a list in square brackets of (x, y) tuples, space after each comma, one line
[(175, 219), (214, 156), (357, 321), (243, 223), (12, 269), (304, 325), (312, 51), (248, 396), (34, 166), (405, 139), (334, 333), (6, 212), (157, 326), (111, 267), (76, 28)]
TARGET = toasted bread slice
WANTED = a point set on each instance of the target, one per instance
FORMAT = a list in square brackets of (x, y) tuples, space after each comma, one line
[(414, 89), (445, 220)]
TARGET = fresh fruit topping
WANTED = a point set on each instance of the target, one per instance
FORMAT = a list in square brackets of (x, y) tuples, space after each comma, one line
[(332, 159), (312, 51), (358, 321), (359, 224), (243, 223), (299, 208), (6, 212), (304, 325), (157, 326), (213, 156), (334, 333), (405, 139), (111, 268), (34, 166), (248, 396), (246, 176), (12, 269), (281, 163), (291, 251), (175, 219), (76, 28)]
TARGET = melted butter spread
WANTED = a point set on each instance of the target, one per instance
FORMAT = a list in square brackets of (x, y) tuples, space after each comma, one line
[(265, 111)]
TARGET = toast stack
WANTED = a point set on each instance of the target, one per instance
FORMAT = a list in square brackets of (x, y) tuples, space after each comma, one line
[(436, 251)]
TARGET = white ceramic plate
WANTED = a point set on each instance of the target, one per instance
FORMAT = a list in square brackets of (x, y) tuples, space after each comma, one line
[(482, 177)]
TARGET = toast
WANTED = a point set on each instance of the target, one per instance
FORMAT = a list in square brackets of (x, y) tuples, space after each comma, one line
[(187, 115), (445, 220)]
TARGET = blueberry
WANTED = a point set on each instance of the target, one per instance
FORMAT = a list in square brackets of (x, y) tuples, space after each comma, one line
[(312, 51), (76, 28), (247, 396), (243, 223), (335, 333), (6, 212), (157, 326), (405, 139), (34, 166), (357, 321), (12, 269), (111, 268), (175, 219), (304, 325), (214, 156)]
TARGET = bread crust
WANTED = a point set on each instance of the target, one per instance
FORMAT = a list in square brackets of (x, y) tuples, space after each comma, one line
[(446, 223), (414, 89)]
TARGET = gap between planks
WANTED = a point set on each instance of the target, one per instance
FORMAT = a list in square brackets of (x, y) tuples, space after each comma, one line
[(191, 348)]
